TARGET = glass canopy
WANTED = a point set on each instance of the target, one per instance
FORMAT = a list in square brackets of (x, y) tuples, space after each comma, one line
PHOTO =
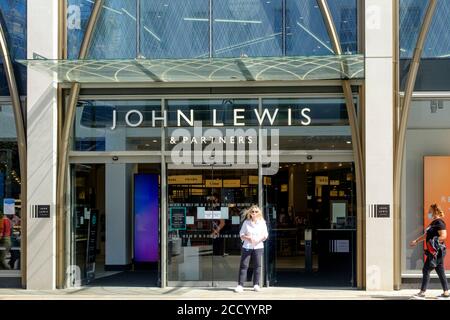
[(203, 70)]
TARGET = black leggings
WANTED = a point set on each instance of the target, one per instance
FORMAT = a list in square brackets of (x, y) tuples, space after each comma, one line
[(427, 268), (256, 255)]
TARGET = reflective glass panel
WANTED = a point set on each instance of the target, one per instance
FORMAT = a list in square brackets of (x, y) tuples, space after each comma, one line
[(78, 13), (174, 29), (115, 32), (310, 124), (423, 184), (103, 125), (211, 28), (211, 118), (10, 188), (412, 13), (204, 70), (247, 28), (13, 15), (306, 33)]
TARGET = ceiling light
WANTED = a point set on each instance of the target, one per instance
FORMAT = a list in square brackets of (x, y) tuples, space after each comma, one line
[(348, 142), (238, 21), (196, 19)]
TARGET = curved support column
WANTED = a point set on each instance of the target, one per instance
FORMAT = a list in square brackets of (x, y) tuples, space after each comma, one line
[(401, 134), (63, 157), (356, 139), (21, 142)]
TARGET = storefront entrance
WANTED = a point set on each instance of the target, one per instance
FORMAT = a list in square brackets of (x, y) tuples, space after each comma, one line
[(310, 208), (205, 209), (163, 223), (115, 224)]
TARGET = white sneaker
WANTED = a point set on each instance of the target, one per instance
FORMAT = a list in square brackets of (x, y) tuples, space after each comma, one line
[(419, 296), (239, 289), (256, 288)]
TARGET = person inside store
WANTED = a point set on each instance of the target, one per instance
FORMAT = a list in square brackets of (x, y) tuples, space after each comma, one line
[(217, 227), (434, 237), (285, 218), (14, 262), (5, 240), (253, 233)]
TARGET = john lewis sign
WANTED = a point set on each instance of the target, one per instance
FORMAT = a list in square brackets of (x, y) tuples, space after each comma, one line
[(135, 118)]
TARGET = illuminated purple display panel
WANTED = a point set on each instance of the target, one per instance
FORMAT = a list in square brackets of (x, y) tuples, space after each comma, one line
[(146, 214)]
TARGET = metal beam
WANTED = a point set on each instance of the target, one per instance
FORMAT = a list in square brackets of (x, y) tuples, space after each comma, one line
[(21, 143), (63, 158), (401, 134), (356, 139)]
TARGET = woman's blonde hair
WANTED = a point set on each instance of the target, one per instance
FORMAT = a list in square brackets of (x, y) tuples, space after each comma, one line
[(437, 211), (259, 214)]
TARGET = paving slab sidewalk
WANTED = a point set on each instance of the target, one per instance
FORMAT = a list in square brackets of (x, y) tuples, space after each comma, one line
[(141, 293)]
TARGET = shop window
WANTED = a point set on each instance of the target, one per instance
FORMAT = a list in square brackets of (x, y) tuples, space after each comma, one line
[(426, 140)]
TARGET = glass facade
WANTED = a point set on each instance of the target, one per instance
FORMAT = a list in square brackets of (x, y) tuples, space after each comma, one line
[(206, 203), (13, 16), (216, 28), (174, 29), (412, 13), (425, 163), (329, 128), (426, 141), (136, 125), (10, 182), (103, 125)]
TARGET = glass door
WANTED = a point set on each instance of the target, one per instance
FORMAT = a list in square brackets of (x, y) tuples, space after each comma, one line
[(311, 210), (237, 191), (205, 210), (190, 243)]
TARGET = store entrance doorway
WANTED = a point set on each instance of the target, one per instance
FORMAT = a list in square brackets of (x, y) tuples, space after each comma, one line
[(114, 228), (206, 205), (311, 209)]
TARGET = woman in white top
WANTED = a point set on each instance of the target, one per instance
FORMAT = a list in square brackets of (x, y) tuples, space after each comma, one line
[(253, 233)]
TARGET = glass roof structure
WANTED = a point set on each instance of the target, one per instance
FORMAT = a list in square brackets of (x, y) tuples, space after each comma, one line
[(202, 70)]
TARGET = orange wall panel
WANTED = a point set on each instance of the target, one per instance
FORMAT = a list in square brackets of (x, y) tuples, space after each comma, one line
[(436, 189)]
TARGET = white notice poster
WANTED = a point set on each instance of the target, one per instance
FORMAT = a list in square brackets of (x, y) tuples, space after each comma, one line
[(342, 246), (189, 219), (8, 206)]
